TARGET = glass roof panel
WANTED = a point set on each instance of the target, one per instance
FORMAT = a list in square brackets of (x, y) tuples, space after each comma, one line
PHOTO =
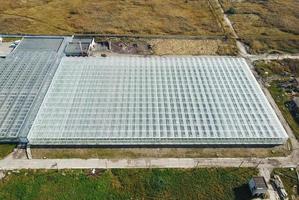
[(155, 100)]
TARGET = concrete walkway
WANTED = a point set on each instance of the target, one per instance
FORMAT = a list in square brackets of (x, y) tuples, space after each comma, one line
[(11, 164), (272, 56)]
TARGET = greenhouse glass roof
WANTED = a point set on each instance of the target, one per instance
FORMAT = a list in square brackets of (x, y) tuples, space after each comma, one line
[(23, 74), (131, 100)]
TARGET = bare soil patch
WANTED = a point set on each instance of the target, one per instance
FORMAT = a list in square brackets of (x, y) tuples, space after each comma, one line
[(193, 47), (168, 46)]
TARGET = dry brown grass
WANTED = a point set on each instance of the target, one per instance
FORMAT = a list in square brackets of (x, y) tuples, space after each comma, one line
[(175, 17), (184, 47), (266, 25)]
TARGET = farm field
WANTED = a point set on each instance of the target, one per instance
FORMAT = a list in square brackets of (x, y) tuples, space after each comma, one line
[(265, 26), (229, 183), (178, 17)]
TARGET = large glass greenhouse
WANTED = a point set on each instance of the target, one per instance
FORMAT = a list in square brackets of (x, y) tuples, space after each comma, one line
[(132, 100)]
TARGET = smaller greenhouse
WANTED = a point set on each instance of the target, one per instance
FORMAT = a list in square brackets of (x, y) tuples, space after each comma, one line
[(23, 75)]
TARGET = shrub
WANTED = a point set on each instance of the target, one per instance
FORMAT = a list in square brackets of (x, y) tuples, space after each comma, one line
[(231, 11)]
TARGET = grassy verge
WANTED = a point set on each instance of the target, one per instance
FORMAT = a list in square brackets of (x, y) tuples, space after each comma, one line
[(11, 39), (6, 149), (229, 183), (119, 153), (268, 69), (281, 98), (274, 73), (289, 179)]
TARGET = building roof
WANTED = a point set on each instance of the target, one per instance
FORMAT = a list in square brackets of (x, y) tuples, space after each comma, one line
[(23, 73), (40, 43), (260, 182), (77, 48), (130, 100)]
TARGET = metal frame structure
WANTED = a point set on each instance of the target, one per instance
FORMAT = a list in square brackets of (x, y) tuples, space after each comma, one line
[(22, 75), (130, 100)]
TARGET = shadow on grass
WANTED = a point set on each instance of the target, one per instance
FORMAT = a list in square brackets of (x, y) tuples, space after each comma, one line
[(242, 192)]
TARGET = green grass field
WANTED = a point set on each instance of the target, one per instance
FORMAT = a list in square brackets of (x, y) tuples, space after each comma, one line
[(6, 149), (229, 183)]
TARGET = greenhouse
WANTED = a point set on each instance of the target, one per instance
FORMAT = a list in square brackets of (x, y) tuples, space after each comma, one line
[(23, 73), (132, 100)]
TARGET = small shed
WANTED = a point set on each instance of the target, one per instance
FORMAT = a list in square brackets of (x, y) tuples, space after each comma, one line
[(258, 186)]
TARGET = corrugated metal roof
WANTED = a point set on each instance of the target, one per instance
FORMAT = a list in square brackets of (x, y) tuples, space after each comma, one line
[(260, 182)]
